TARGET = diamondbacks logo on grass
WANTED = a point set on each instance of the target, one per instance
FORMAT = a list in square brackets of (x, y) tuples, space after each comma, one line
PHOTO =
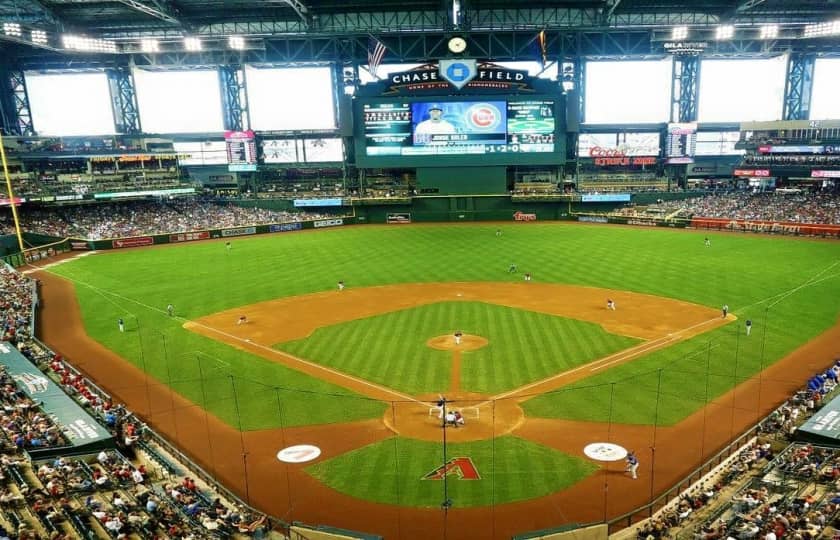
[(462, 467)]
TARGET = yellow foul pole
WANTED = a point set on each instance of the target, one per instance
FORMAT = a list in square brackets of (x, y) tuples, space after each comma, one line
[(11, 193)]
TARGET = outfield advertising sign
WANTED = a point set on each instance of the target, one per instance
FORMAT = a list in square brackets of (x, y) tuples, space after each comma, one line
[(398, 217), (605, 197), (189, 237), (133, 242), (328, 223), (304, 203), (285, 227), (239, 231)]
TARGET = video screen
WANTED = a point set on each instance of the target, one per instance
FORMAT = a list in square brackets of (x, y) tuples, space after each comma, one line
[(459, 128)]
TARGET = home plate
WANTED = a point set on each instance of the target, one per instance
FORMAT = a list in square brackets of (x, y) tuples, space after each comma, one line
[(300, 453), (603, 451)]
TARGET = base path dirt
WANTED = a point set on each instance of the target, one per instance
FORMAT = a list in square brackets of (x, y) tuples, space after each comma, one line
[(247, 462), (660, 322)]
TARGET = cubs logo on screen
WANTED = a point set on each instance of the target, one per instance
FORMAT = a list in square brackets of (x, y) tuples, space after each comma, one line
[(484, 117), (458, 72)]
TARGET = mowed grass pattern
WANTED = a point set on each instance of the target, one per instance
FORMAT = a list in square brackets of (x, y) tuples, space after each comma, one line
[(392, 472), (391, 349), (744, 271)]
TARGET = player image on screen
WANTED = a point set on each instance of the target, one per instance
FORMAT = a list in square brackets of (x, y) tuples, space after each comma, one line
[(458, 123)]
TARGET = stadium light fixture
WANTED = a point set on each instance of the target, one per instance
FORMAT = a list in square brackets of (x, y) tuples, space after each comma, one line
[(679, 33), (236, 42), (87, 44), (39, 37), (12, 29), (831, 28), (149, 45), (726, 31), (192, 44), (769, 31)]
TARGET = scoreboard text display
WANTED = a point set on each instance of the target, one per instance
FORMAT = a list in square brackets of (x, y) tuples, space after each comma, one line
[(490, 131)]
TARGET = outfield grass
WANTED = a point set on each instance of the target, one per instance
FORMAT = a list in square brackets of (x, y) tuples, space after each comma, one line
[(391, 349), (203, 278), (392, 472)]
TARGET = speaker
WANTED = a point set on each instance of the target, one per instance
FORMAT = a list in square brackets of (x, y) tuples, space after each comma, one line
[(345, 116), (572, 111)]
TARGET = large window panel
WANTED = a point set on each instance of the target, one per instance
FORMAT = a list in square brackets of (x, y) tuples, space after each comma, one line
[(286, 99), (741, 90), (628, 92), (824, 102), (179, 101), (70, 103)]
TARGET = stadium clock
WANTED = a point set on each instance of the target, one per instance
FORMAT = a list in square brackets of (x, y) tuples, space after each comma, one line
[(457, 45)]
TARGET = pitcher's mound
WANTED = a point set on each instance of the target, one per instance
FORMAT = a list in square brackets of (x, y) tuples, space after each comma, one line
[(447, 343)]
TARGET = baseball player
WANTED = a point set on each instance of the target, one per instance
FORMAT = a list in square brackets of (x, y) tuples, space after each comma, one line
[(242, 320), (748, 326), (458, 336), (527, 276), (512, 269), (610, 304), (632, 464), (170, 309), (724, 310), (228, 246), (121, 325), (340, 285)]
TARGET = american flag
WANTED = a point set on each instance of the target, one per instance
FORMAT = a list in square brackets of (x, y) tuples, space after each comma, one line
[(376, 51)]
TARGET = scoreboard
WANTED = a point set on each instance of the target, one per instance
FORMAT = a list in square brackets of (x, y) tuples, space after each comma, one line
[(406, 131)]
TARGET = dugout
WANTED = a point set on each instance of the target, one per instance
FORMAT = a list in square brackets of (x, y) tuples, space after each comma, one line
[(823, 428)]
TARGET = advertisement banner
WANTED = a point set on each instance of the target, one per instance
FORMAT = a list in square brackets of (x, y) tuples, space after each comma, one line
[(521, 216), (593, 219), (133, 242), (398, 218), (302, 203), (775, 227), (79, 246), (763, 173), (328, 223), (189, 237), (285, 227), (606, 197), (239, 231), (825, 174)]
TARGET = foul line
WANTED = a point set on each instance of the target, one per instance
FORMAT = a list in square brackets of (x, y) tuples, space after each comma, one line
[(607, 360), (311, 364), (234, 338)]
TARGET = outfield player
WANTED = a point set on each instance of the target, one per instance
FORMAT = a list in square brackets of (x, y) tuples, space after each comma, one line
[(121, 325), (527, 276), (170, 309), (748, 325), (512, 268), (340, 285), (724, 310), (228, 246)]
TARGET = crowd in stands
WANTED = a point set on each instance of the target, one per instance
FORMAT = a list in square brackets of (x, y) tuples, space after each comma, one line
[(15, 305), (113, 494), (120, 220), (755, 508), (818, 208)]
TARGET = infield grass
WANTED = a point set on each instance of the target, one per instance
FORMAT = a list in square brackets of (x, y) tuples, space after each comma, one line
[(798, 278), (391, 348), (392, 472)]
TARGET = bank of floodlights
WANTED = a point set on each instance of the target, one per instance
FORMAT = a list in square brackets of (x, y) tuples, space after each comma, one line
[(39, 37), (236, 43), (726, 31), (679, 33), (149, 45), (831, 28), (769, 31), (87, 44), (192, 44), (12, 30)]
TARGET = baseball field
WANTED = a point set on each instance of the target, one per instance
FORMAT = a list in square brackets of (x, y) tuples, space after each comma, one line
[(544, 368)]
